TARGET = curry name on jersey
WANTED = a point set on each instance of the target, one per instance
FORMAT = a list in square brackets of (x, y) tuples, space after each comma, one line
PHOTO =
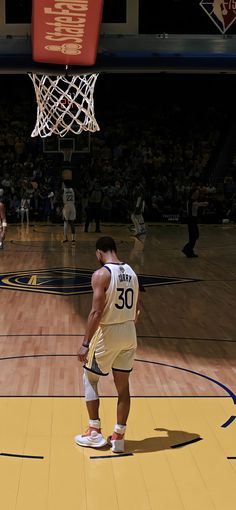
[(121, 295)]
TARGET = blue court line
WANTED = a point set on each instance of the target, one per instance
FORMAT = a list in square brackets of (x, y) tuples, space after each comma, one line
[(228, 422), (112, 456), (221, 385), (21, 456), (187, 442)]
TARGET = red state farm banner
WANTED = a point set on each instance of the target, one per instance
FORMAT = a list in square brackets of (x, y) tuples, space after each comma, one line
[(66, 32)]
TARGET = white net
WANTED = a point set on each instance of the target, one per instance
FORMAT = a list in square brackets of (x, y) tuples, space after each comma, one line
[(65, 104), (67, 153)]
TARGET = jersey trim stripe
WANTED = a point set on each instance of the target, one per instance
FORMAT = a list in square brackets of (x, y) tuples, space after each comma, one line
[(119, 370)]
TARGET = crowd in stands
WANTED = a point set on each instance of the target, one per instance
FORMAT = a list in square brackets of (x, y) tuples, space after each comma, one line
[(167, 150)]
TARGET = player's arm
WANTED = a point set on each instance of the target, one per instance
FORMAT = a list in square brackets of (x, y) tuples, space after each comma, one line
[(3, 221), (100, 282)]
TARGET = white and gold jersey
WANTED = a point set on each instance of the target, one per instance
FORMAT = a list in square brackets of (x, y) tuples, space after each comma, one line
[(121, 295), (68, 196)]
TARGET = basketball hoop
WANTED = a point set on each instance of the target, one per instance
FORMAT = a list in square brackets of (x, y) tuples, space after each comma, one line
[(65, 103)]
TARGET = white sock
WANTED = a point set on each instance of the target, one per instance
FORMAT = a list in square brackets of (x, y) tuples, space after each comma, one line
[(96, 424), (120, 429)]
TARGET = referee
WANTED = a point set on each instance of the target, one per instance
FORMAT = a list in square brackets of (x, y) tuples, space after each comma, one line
[(193, 205)]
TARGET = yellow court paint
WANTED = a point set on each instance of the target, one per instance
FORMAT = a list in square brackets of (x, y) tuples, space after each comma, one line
[(33, 280), (197, 476)]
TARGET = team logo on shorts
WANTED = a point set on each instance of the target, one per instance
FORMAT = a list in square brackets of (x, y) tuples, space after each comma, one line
[(71, 281), (221, 12)]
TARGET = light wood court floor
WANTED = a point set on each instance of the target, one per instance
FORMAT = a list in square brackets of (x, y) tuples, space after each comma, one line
[(183, 383)]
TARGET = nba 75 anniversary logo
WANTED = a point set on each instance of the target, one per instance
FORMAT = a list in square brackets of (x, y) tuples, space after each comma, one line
[(221, 12)]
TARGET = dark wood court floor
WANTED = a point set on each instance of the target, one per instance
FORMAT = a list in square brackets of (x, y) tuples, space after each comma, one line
[(186, 331)]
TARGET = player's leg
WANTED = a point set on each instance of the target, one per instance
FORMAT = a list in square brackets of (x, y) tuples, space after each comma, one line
[(72, 227), (22, 212), (122, 367), (188, 248), (194, 237), (65, 229), (135, 220), (99, 362), (121, 380), (65, 226), (90, 380), (72, 218), (141, 225), (93, 436)]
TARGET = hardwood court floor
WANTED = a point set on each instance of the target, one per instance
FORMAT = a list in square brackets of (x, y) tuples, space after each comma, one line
[(155, 475), (183, 378)]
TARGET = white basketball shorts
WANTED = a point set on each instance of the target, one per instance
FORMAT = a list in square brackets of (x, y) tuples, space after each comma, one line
[(69, 212), (113, 346)]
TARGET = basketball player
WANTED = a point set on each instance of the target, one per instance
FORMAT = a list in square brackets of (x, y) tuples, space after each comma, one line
[(137, 214), (193, 205), (24, 208), (69, 212), (3, 221), (110, 341)]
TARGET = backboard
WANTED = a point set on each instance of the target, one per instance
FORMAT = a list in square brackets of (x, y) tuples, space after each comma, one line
[(80, 145), (136, 36), (119, 17)]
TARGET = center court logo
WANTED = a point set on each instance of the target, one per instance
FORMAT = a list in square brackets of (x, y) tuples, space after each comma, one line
[(221, 12), (67, 281)]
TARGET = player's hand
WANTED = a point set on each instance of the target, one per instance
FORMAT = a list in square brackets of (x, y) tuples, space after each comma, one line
[(82, 354)]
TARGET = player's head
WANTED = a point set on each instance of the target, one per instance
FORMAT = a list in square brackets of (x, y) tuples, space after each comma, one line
[(104, 245), (67, 183)]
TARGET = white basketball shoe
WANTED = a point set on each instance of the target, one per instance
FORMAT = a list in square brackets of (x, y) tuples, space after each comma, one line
[(93, 438)]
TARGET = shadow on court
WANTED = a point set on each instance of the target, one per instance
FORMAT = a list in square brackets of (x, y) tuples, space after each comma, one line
[(173, 439)]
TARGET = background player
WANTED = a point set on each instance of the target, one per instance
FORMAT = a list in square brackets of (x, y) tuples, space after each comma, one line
[(138, 210), (69, 211), (193, 205), (110, 341), (3, 221)]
